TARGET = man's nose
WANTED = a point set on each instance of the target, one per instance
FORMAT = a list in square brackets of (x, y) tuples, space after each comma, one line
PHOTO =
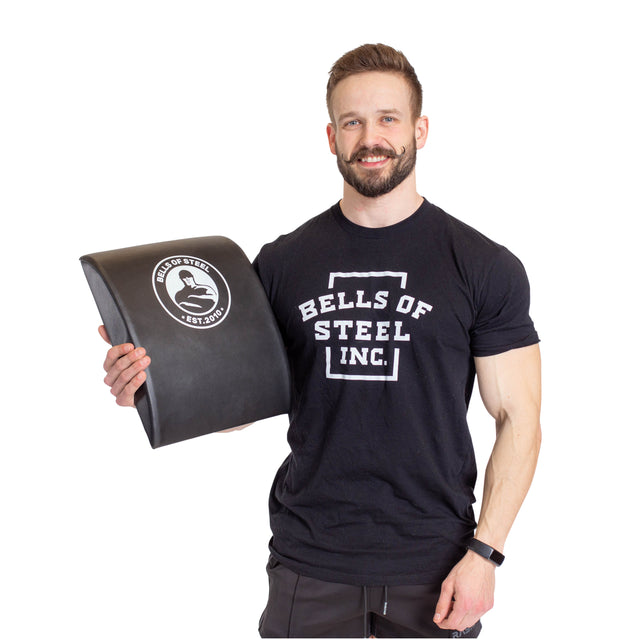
[(371, 136)]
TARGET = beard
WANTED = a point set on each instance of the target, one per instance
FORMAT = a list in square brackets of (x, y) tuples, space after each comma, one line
[(374, 183)]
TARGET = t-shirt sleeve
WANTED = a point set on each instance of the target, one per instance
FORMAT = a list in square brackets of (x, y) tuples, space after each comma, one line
[(259, 268), (502, 319), (265, 273)]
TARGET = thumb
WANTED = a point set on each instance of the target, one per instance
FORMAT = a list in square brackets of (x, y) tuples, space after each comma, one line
[(103, 332), (443, 606)]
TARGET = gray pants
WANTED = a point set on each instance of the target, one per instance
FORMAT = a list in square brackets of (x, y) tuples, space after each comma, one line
[(302, 607)]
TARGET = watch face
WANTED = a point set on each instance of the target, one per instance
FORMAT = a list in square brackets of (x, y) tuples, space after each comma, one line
[(496, 557)]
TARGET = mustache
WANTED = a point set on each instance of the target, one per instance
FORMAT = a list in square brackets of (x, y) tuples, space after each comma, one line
[(364, 152)]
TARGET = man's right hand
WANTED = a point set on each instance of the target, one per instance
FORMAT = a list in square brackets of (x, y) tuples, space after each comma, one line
[(125, 366)]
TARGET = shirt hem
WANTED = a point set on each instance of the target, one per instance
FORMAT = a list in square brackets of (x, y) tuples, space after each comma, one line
[(436, 576)]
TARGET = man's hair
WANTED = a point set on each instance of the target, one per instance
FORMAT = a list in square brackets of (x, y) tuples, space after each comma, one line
[(375, 57)]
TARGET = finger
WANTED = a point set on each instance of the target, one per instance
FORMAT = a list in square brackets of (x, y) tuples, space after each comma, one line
[(463, 624), (462, 616), (454, 619), (125, 373), (115, 353), (103, 333), (467, 622), (443, 606), (126, 398), (119, 358)]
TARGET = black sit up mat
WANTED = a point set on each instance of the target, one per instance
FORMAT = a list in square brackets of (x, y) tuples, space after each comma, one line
[(199, 309)]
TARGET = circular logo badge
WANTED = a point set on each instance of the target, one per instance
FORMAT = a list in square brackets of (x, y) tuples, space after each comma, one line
[(192, 291)]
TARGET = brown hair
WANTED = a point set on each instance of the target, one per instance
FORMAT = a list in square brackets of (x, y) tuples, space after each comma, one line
[(375, 57)]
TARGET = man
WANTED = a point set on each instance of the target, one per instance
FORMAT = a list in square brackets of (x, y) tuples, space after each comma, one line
[(194, 297), (389, 307)]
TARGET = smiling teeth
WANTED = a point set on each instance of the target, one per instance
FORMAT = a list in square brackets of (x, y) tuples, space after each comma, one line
[(374, 159)]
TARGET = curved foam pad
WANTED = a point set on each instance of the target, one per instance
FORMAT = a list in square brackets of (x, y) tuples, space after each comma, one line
[(199, 309)]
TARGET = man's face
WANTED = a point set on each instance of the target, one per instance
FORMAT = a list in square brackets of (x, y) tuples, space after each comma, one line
[(373, 132)]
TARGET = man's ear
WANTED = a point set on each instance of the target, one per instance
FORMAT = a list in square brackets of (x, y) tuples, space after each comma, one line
[(422, 131), (331, 135)]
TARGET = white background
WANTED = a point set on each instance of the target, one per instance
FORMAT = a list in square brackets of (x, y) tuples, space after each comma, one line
[(128, 122)]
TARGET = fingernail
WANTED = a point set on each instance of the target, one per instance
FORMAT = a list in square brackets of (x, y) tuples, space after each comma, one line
[(437, 617)]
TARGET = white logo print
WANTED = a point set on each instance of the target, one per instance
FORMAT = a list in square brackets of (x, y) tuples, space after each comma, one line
[(365, 345), (192, 291)]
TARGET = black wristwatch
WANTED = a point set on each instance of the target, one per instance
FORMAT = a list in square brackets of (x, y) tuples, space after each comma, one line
[(486, 551)]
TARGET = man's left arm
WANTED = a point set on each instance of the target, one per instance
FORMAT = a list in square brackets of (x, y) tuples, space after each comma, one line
[(510, 388)]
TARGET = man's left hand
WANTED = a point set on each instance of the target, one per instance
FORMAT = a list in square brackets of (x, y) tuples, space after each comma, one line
[(466, 594)]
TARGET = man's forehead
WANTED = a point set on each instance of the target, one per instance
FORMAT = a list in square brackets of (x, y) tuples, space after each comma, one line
[(371, 91)]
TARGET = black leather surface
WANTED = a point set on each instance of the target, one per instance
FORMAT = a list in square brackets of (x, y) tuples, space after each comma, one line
[(217, 358)]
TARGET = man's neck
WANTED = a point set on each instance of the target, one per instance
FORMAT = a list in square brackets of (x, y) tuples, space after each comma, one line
[(383, 211)]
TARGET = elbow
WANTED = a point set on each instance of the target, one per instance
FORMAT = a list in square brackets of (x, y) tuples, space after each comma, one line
[(537, 438), (523, 430), (531, 434)]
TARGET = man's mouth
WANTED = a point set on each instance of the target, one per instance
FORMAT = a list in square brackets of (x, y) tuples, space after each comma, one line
[(373, 157)]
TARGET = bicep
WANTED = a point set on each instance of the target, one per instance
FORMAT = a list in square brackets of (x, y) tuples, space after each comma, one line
[(509, 382)]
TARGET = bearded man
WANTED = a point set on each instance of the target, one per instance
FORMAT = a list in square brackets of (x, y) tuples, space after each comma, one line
[(389, 309)]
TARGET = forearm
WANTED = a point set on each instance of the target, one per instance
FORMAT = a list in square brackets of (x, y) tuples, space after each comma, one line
[(467, 592), (508, 475), (231, 429)]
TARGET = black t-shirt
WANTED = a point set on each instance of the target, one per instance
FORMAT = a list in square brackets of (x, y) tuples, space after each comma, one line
[(381, 327)]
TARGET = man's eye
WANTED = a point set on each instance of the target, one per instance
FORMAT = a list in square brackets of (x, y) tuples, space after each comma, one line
[(388, 119), (352, 123)]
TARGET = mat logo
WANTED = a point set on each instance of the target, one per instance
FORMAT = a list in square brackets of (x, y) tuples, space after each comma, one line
[(192, 291)]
